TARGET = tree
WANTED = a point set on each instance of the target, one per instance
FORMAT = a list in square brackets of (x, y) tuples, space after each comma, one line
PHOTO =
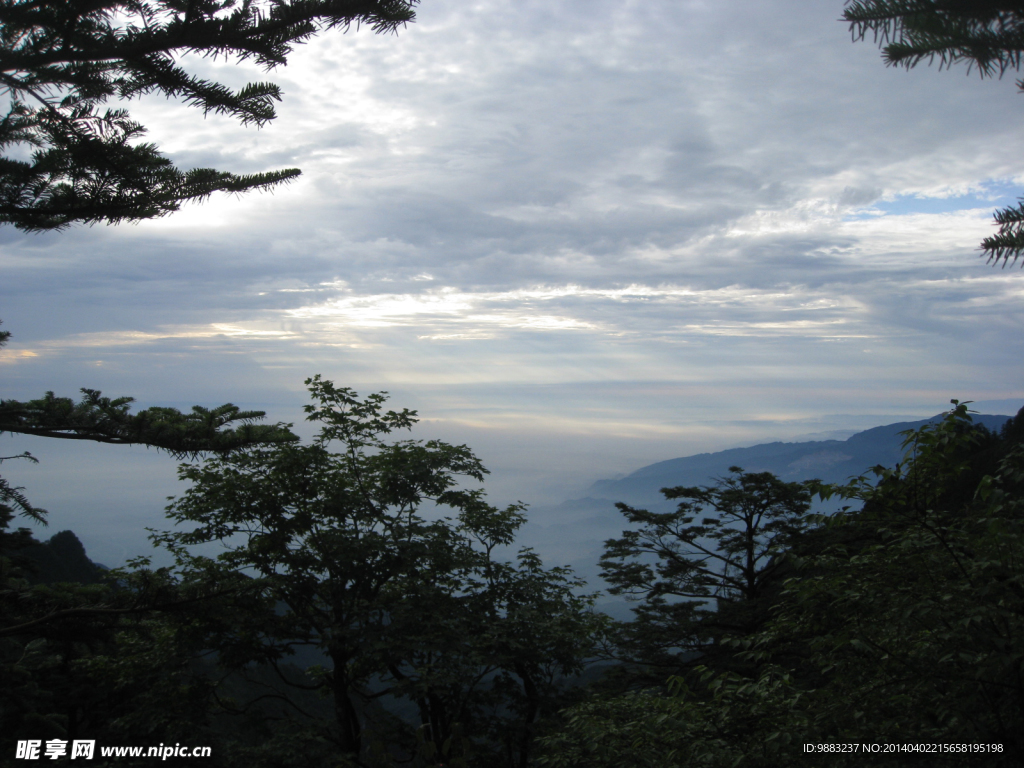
[(60, 63), (920, 626), (677, 567), (987, 34), (115, 662), (397, 606), (908, 615)]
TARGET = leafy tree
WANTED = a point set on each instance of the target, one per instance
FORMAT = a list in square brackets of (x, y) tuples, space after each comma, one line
[(60, 63), (987, 34), (397, 605), (908, 620), (921, 628), (698, 582), (97, 662)]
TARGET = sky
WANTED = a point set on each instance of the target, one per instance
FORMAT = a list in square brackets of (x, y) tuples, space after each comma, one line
[(578, 237)]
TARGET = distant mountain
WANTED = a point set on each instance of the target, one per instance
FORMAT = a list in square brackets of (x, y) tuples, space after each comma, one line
[(61, 558), (573, 533), (832, 461)]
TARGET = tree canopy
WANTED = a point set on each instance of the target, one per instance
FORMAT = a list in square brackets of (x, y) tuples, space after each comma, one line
[(986, 34), (68, 158), (898, 623), (397, 605), (346, 622), (700, 573)]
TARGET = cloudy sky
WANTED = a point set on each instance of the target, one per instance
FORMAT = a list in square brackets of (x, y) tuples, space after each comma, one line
[(580, 237)]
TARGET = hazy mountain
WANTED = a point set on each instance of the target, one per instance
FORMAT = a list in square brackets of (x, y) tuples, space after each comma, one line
[(573, 533), (61, 558), (828, 460)]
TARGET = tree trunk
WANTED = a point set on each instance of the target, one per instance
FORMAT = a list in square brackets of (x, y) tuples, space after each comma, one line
[(346, 716)]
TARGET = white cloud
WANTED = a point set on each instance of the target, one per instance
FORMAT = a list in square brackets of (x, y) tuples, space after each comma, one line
[(667, 220)]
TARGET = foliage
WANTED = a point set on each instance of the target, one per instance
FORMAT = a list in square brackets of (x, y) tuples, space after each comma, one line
[(919, 631), (906, 615), (130, 662), (398, 607), (738, 721), (12, 498), (105, 661), (602, 732), (987, 34), (60, 63), (105, 420), (677, 567), (65, 648)]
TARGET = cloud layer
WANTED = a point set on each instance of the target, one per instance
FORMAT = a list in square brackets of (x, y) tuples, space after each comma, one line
[(671, 226)]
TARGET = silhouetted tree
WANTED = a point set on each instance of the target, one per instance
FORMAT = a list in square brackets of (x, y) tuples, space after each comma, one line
[(912, 630), (700, 572), (396, 603), (50, 634)]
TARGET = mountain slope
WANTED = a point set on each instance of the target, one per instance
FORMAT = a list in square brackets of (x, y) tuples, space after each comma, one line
[(573, 533), (60, 559), (828, 460)]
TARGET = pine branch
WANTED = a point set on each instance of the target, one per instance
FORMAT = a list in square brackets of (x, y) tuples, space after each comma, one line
[(988, 34), (1009, 243), (105, 420), (12, 495)]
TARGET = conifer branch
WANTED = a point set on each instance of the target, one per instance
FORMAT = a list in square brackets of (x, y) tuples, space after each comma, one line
[(105, 420), (89, 166)]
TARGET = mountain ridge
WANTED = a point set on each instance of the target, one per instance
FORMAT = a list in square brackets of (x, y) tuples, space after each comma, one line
[(826, 460), (573, 533)]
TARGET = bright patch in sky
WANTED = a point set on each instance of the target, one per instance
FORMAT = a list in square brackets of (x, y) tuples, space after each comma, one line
[(994, 193)]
